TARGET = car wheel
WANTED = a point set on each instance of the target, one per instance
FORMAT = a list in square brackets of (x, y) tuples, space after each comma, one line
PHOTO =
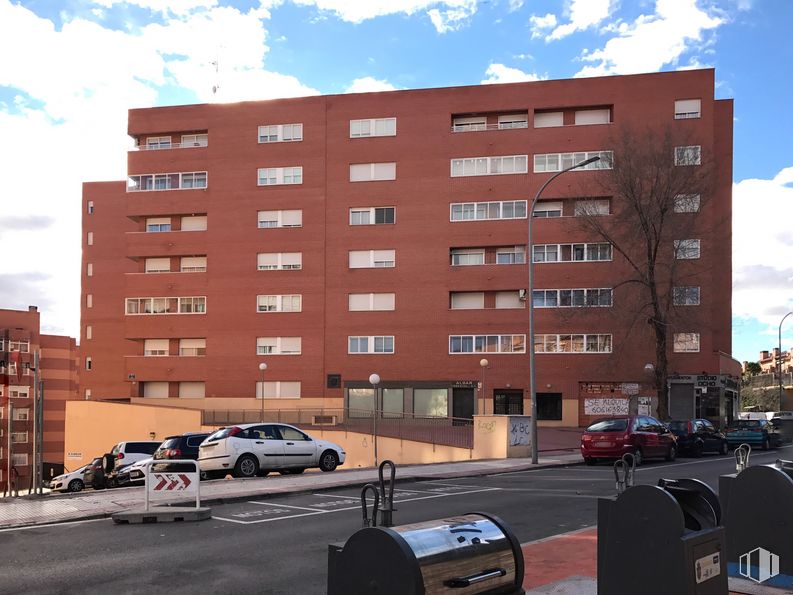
[(697, 449), (590, 461), (76, 485), (638, 456), (247, 466), (111, 483), (766, 444), (724, 448), (328, 461), (671, 454)]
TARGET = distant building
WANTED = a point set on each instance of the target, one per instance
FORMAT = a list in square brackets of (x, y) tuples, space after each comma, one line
[(770, 362), (334, 237), (21, 342)]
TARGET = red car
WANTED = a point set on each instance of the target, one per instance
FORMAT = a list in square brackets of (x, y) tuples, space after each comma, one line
[(642, 435)]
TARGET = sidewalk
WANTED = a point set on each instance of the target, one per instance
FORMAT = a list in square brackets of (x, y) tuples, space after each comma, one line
[(57, 508)]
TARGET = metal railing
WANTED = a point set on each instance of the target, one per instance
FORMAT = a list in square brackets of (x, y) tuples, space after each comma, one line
[(166, 146), (447, 431), (477, 127)]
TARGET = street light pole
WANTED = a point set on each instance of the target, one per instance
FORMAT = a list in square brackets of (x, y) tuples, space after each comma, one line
[(262, 367), (483, 363), (530, 297), (374, 380), (779, 355)]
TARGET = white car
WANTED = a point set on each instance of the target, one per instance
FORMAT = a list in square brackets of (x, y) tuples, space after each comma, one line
[(69, 482), (134, 474), (248, 450)]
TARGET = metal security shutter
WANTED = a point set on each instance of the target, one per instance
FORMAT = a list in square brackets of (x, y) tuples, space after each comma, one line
[(191, 390), (548, 119), (592, 116), (198, 223), (383, 301), (474, 300)]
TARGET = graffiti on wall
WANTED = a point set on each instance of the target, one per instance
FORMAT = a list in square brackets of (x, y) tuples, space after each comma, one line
[(519, 431)]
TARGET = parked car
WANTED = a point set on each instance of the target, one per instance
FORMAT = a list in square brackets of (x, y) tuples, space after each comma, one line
[(70, 482), (753, 432), (126, 453), (248, 450), (133, 474), (695, 436), (643, 436), (184, 446), (95, 474)]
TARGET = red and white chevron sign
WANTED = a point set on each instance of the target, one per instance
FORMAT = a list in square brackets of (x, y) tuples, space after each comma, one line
[(171, 482)]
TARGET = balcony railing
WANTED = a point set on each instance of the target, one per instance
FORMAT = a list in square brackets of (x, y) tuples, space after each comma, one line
[(476, 127), (165, 146), (448, 431)]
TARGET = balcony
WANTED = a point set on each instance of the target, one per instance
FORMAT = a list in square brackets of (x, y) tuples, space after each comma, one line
[(142, 244), (481, 126)]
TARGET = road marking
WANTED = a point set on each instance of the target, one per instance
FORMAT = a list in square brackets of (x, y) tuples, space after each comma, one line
[(279, 505), (448, 483), (281, 518), (561, 493), (53, 524), (337, 496)]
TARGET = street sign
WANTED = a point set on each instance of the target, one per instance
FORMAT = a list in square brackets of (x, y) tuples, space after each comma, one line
[(168, 482), (630, 388), (162, 485)]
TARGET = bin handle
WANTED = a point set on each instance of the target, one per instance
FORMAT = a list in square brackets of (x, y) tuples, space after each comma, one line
[(461, 582), (742, 457), (370, 522)]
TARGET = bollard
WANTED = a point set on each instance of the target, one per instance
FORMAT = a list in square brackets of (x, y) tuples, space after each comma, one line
[(624, 470), (370, 522), (387, 499)]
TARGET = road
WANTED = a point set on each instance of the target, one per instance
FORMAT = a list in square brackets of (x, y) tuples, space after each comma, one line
[(278, 545)]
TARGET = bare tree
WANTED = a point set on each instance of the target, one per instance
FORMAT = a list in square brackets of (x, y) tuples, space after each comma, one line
[(658, 187)]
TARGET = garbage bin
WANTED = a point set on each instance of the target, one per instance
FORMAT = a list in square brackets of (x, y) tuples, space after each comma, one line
[(657, 540), (472, 553)]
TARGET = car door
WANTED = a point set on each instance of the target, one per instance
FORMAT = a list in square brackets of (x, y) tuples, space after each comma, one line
[(265, 443), (300, 450), (709, 436), (646, 436), (661, 437)]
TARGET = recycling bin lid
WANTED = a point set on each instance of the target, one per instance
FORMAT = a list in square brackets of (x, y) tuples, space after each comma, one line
[(698, 502)]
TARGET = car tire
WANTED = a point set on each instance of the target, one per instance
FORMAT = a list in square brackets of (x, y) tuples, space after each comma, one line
[(671, 454), (696, 450), (724, 449), (111, 483), (328, 461), (590, 461), (246, 466), (638, 456), (76, 485), (766, 444)]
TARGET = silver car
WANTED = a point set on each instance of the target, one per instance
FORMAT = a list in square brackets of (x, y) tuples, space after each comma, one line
[(248, 450)]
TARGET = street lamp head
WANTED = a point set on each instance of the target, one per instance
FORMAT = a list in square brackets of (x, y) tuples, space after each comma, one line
[(649, 368), (262, 366), (483, 362), (588, 161), (374, 379)]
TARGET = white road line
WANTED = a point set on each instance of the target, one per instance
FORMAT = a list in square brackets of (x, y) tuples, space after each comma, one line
[(337, 496), (53, 525), (280, 518), (448, 483), (286, 506)]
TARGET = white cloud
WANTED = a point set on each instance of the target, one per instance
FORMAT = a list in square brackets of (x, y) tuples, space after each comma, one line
[(651, 41), (583, 15), (178, 7), (761, 248), (499, 73), (540, 24), (368, 84), (515, 5), (453, 18)]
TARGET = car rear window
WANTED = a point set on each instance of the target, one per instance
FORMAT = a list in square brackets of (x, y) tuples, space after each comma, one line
[(678, 426), (169, 443), (194, 441), (142, 447), (220, 434), (609, 425), (747, 424)]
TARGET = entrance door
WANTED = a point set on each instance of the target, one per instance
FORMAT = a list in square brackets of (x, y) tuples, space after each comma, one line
[(507, 402), (463, 403)]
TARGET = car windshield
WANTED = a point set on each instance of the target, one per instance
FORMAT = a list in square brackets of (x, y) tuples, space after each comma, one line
[(747, 424), (678, 426), (609, 425), (220, 434)]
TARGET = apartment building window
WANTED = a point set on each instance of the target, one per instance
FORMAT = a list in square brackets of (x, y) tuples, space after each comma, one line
[(195, 140), (372, 172), (279, 303), (89, 270), (280, 176), (279, 261), (594, 343), (690, 155), (158, 265), (19, 392), (271, 219), (475, 300), (194, 223), (89, 331), (90, 238), (487, 211), (686, 342), (193, 264), (487, 344), (278, 345), (373, 344), (158, 142), (280, 133), (572, 252), (19, 437), (507, 300), (547, 209), (467, 256), (192, 389), (21, 346), (489, 166), (585, 117), (279, 389), (19, 459), (685, 295), (90, 207), (548, 119), (87, 394), (572, 298), (592, 207), (373, 127), (156, 347), (89, 300), (372, 259), (431, 402), (166, 305), (192, 347), (371, 302), (687, 108), (687, 249), (372, 216), (157, 224), (686, 203), (155, 390), (467, 300), (171, 181), (508, 121), (88, 363), (511, 255), (20, 414), (549, 162), (469, 123)]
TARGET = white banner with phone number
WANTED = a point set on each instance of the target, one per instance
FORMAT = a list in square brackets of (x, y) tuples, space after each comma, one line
[(606, 406)]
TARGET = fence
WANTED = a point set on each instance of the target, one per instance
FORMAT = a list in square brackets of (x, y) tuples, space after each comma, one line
[(448, 431), (765, 380)]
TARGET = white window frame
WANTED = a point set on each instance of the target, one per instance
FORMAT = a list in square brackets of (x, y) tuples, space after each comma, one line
[(377, 259), (687, 249), (372, 176), (154, 143), (24, 435), (551, 162), (686, 295), (89, 269), (560, 250), (194, 140), (686, 343), (385, 341), (18, 392), (373, 299), (460, 257), (156, 347), (469, 123), (278, 386), (275, 346), (279, 264), (90, 238), (579, 297), (371, 213), (21, 414), (592, 207), (156, 264), (488, 166), (193, 264), (688, 155), (548, 209), (195, 305), (686, 109), (280, 133), (483, 343), (279, 217), (191, 220), (19, 459), (553, 343), (21, 345), (687, 203), (280, 176), (191, 180), (548, 119), (193, 347), (487, 211), (462, 300), (586, 117), (373, 127), (513, 254), (279, 300), (510, 121), (158, 224)]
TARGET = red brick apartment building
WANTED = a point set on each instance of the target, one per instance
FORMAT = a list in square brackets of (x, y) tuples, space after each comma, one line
[(338, 236), (20, 343)]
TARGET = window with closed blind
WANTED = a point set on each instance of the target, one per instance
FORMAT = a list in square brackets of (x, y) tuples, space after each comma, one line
[(278, 345), (363, 302), (193, 264), (192, 347), (269, 219), (372, 259), (194, 223), (279, 261), (372, 172), (155, 347)]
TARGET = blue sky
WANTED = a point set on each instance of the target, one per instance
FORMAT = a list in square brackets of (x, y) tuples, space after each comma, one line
[(71, 69)]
